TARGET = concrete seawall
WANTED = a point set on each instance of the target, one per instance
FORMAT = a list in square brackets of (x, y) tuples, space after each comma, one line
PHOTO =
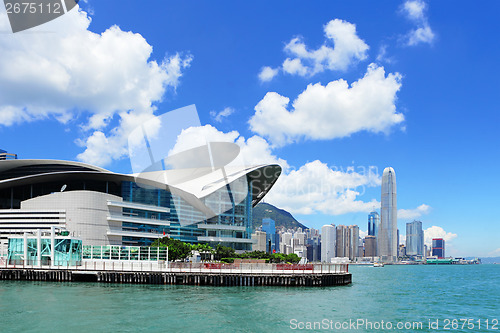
[(178, 278)]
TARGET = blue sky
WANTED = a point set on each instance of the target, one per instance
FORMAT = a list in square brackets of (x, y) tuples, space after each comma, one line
[(333, 91)]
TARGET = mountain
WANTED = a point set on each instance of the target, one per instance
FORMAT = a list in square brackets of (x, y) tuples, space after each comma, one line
[(490, 260), (281, 217)]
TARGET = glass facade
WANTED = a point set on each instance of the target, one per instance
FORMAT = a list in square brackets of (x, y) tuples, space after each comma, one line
[(438, 248), (235, 203), (68, 252), (373, 223), (129, 253)]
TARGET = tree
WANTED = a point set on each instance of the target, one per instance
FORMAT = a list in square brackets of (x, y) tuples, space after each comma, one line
[(224, 252), (277, 258), (292, 258), (177, 250)]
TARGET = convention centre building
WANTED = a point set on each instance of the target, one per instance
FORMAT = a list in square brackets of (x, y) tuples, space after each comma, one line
[(101, 207)]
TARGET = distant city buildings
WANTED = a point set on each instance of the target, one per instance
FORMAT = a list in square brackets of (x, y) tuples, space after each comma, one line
[(387, 238), (438, 248), (328, 242), (414, 239)]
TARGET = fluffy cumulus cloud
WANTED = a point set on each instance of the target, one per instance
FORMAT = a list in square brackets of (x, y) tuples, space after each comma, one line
[(332, 111), (268, 73), (415, 11), (409, 214), (347, 49), (316, 187), (437, 232), (219, 116), (72, 71)]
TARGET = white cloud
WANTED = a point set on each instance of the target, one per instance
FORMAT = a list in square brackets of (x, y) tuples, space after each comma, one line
[(362, 233), (420, 35), (495, 253), (347, 49), (332, 111), (437, 232), (315, 187), (415, 11), (382, 55), (218, 116), (72, 71), (294, 66), (409, 214), (268, 73)]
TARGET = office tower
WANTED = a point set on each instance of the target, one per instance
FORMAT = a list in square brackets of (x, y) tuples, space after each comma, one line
[(6, 156), (414, 239), (438, 247), (370, 246), (387, 238), (268, 226), (260, 241), (328, 241), (373, 223), (286, 243), (341, 241), (272, 238), (401, 251), (352, 246)]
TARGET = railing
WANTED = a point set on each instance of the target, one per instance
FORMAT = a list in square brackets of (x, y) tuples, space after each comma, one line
[(180, 267)]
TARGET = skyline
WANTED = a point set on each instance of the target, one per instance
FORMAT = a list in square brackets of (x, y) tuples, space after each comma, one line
[(289, 84)]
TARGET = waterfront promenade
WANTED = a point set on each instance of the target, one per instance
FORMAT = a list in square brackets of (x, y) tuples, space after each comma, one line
[(214, 274)]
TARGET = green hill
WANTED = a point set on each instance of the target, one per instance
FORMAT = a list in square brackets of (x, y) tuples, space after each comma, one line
[(281, 217)]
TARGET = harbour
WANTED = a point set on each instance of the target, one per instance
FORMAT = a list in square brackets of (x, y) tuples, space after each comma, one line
[(216, 275)]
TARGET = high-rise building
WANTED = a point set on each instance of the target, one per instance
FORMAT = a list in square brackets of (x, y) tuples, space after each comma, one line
[(328, 241), (260, 241), (341, 241), (286, 243), (352, 246), (438, 247), (272, 238), (414, 239), (387, 238), (370, 246), (373, 223)]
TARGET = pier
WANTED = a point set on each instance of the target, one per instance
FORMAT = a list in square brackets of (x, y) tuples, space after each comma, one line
[(199, 274)]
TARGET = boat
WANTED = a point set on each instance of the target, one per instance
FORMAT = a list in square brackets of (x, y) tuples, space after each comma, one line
[(378, 264)]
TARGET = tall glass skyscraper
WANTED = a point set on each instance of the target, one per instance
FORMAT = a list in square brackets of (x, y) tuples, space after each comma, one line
[(438, 247), (414, 239), (373, 223), (387, 239)]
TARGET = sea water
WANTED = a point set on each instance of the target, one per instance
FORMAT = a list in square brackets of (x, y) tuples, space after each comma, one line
[(399, 298)]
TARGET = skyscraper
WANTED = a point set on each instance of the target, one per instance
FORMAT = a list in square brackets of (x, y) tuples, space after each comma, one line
[(414, 239), (373, 223), (370, 246), (352, 246), (328, 237), (387, 238), (341, 245), (438, 247)]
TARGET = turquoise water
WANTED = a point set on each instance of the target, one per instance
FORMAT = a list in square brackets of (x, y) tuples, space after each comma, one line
[(392, 294)]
